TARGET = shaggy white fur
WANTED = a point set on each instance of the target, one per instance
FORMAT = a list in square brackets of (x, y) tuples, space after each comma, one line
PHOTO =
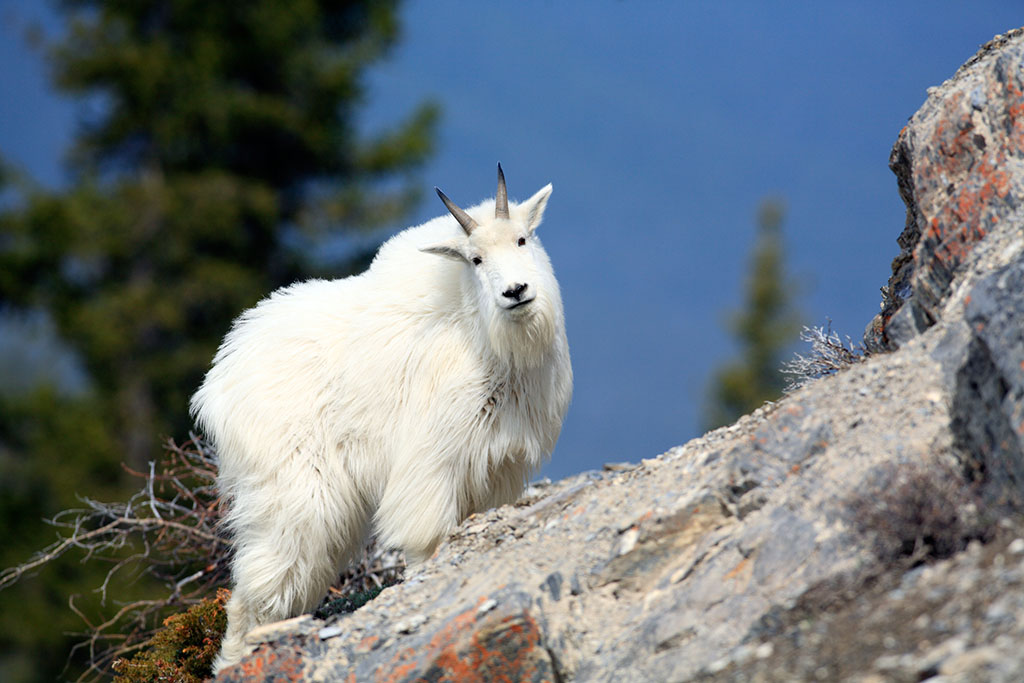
[(403, 399)]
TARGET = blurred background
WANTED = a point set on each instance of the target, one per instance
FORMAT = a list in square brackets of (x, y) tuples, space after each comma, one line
[(720, 174)]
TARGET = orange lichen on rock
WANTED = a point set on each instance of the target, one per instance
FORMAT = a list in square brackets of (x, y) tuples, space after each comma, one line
[(501, 647), (266, 663)]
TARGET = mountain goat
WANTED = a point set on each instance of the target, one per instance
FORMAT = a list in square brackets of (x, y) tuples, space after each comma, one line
[(400, 400)]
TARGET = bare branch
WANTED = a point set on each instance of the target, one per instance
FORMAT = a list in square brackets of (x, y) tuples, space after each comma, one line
[(828, 356), (52, 552), (169, 530)]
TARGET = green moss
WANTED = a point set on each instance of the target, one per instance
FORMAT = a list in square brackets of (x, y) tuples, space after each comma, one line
[(182, 651)]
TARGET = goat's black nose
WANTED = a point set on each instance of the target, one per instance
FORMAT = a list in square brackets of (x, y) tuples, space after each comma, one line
[(515, 291)]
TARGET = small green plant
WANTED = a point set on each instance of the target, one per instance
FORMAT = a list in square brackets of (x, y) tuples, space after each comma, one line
[(363, 581), (183, 649), (352, 601)]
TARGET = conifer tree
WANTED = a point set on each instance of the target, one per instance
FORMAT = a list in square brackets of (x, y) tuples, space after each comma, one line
[(221, 154), (765, 328)]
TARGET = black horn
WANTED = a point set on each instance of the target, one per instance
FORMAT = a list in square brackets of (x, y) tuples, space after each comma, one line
[(464, 219), (501, 198)]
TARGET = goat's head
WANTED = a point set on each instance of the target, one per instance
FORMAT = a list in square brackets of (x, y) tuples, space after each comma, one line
[(507, 261)]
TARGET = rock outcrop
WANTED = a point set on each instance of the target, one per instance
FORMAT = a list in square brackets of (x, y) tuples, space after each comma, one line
[(959, 163), (866, 527)]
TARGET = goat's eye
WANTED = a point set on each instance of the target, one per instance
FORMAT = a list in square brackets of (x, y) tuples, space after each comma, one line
[(522, 242), (477, 260)]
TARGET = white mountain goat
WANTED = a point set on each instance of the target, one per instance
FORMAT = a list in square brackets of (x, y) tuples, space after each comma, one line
[(400, 400)]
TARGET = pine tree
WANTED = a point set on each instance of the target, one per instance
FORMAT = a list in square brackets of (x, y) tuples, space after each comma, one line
[(765, 328), (222, 154)]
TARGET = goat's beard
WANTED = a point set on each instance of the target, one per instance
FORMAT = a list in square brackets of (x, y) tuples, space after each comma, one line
[(524, 336)]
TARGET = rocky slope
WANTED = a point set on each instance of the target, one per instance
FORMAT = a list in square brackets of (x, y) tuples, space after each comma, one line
[(867, 527)]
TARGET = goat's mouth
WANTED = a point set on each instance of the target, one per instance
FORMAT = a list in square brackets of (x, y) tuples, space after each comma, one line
[(518, 304)]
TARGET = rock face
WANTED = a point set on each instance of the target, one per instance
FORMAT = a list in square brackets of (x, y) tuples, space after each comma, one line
[(865, 526), (960, 167)]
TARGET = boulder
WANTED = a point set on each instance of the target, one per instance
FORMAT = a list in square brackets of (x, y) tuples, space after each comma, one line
[(959, 164)]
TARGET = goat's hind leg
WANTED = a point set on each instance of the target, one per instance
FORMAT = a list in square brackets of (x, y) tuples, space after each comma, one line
[(268, 586), (285, 572), (241, 618)]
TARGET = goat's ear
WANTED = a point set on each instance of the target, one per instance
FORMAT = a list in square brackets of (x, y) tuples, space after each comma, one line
[(449, 249), (533, 208)]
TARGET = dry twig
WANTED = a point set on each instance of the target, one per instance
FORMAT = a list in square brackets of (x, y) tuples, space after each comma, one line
[(170, 530), (828, 356)]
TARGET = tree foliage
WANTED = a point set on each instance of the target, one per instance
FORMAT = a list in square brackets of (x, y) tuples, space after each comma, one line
[(221, 151), (765, 328)]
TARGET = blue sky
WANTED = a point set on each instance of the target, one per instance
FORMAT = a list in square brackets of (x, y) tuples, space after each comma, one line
[(662, 126)]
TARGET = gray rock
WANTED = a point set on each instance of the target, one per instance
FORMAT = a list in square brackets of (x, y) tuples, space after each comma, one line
[(957, 164)]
